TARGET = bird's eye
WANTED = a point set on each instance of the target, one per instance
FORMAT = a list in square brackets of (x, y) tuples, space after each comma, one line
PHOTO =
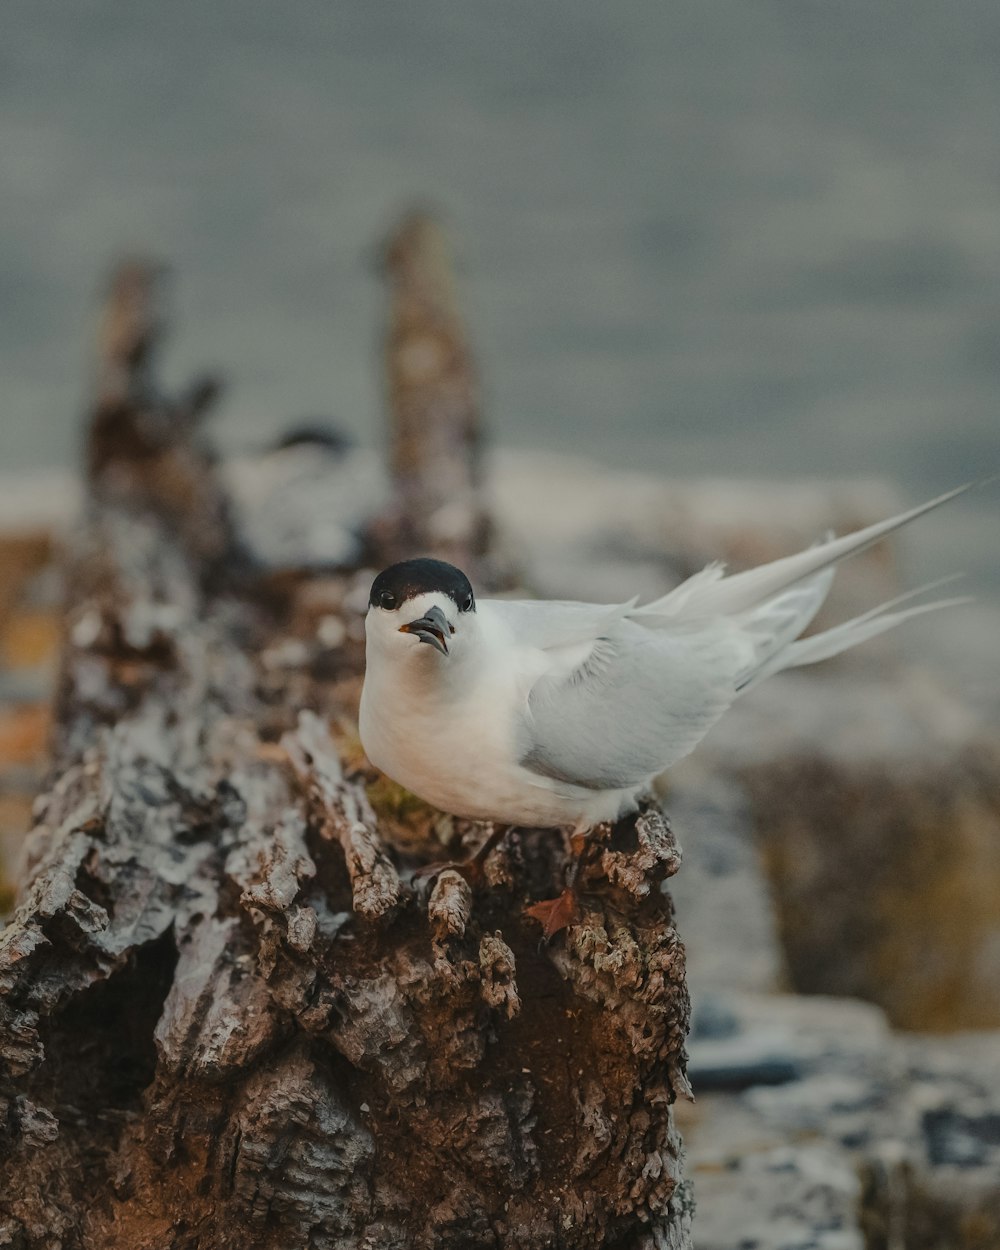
[(467, 603), (387, 600)]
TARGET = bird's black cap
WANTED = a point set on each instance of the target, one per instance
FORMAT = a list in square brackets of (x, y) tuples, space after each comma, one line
[(403, 581)]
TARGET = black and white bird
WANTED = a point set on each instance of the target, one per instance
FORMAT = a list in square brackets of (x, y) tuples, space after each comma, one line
[(553, 713)]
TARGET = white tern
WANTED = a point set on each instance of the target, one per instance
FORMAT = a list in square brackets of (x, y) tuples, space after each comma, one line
[(553, 713)]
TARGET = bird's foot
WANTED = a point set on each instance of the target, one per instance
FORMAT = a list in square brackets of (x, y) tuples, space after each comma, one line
[(429, 871), (556, 914), (472, 869)]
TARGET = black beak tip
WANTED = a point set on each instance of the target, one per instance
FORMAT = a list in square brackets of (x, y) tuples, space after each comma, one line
[(433, 628)]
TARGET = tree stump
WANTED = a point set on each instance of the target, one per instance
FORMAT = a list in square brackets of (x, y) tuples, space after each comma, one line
[(228, 1015)]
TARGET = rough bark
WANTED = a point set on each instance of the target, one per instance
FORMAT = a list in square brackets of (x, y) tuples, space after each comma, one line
[(228, 1017)]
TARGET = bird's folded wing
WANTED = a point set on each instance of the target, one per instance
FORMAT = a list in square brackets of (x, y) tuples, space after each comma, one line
[(551, 624), (628, 691), (641, 700)]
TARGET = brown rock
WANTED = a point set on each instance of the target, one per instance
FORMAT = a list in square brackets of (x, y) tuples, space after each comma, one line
[(877, 811)]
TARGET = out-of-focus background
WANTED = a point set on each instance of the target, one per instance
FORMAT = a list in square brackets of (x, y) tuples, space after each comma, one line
[(755, 243), (702, 238)]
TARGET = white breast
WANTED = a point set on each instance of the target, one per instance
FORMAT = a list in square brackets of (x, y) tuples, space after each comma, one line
[(461, 756)]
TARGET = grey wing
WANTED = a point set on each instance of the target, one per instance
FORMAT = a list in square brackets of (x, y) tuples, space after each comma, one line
[(642, 700), (554, 623)]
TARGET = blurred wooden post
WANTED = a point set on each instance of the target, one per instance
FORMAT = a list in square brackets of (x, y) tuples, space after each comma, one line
[(142, 445), (435, 431)]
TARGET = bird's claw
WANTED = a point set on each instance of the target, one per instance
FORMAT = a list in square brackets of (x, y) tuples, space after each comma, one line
[(426, 874), (472, 869)]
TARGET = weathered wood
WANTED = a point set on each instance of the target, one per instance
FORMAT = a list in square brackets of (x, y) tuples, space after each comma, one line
[(435, 434), (227, 1016)]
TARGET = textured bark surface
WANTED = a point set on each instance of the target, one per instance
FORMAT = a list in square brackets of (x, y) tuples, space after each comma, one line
[(228, 1016)]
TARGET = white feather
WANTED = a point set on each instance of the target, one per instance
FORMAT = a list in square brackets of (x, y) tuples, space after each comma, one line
[(745, 590), (562, 713)]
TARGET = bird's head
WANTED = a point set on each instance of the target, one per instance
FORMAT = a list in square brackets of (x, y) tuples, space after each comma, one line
[(422, 610)]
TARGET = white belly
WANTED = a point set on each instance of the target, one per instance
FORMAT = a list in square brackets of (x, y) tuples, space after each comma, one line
[(466, 765)]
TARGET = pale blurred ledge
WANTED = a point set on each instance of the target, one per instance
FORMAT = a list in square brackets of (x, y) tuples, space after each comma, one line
[(579, 530)]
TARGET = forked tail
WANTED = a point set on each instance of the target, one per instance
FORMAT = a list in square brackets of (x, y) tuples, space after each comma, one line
[(831, 642)]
